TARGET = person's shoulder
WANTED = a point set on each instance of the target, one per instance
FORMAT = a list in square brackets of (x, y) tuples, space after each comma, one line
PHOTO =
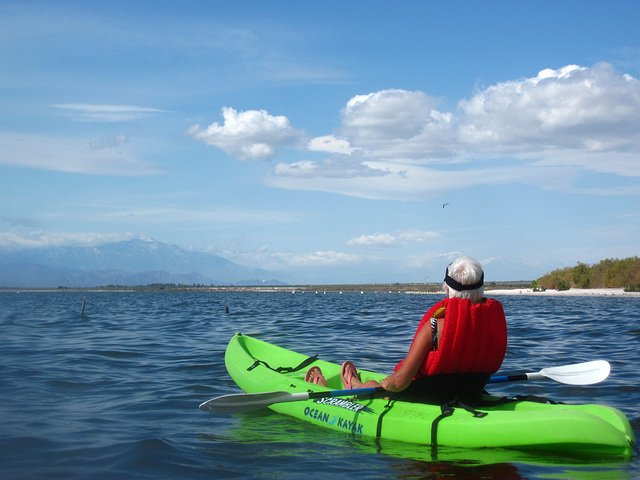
[(493, 305)]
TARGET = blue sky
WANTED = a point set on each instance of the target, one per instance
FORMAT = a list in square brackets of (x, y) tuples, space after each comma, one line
[(322, 139)]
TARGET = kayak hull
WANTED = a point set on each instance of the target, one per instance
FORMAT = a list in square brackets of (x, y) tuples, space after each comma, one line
[(523, 425)]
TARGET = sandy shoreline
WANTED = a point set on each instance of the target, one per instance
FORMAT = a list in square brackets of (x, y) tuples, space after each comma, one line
[(575, 292)]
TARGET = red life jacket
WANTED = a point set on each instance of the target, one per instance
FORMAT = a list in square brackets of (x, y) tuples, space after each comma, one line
[(473, 339)]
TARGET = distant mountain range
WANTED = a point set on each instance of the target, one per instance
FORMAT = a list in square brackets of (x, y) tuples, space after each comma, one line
[(127, 263)]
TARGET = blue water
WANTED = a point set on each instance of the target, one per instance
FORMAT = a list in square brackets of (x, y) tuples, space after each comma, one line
[(115, 393)]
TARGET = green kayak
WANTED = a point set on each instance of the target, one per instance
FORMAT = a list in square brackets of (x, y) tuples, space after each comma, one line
[(257, 366)]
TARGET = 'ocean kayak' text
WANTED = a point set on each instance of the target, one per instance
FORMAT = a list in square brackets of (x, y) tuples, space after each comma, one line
[(333, 420)]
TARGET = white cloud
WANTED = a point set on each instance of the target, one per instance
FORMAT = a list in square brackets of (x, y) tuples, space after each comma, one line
[(330, 144), (397, 124), (625, 164), (583, 109), (587, 109), (390, 114), (215, 214), (429, 261), (106, 113), (246, 135), (320, 258), (377, 240), (410, 182), (386, 240), (548, 129), (70, 156), (341, 167), (288, 260), (108, 142), (418, 236), (17, 222), (19, 241)]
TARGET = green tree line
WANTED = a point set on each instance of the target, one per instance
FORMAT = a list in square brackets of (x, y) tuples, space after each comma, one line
[(610, 273)]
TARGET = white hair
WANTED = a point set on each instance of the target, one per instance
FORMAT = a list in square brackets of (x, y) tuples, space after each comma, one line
[(466, 271)]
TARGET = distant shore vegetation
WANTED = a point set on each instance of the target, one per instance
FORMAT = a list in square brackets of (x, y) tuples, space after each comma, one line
[(609, 273)]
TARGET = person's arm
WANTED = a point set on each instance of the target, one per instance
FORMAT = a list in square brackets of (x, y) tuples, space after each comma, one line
[(402, 378)]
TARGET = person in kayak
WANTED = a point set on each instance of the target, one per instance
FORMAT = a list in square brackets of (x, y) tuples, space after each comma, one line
[(459, 343)]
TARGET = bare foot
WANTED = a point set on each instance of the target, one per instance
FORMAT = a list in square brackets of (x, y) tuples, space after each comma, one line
[(356, 383), (351, 380)]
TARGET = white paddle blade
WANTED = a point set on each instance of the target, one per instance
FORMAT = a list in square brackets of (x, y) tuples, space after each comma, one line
[(586, 373), (245, 402)]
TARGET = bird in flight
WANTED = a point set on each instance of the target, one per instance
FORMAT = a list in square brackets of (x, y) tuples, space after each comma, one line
[(444, 205)]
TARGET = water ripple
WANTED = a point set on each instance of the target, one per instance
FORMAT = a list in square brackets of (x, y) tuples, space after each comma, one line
[(114, 393)]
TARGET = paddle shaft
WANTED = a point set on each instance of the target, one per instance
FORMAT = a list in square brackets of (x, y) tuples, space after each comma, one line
[(509, 378), (302, 396), (586, 373), (246, 402), (345, 393), (523, 376)]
